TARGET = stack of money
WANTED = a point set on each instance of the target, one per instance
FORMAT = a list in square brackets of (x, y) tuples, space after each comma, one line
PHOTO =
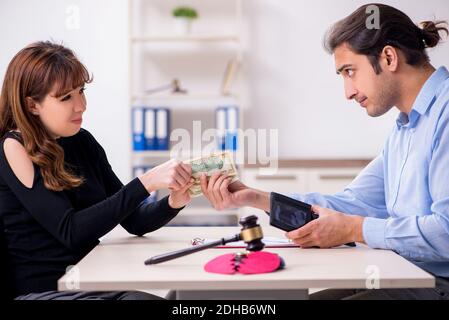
[(222, 162)]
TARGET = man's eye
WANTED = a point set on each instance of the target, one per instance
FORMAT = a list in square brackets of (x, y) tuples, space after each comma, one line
[(350, 72), (67, 97)]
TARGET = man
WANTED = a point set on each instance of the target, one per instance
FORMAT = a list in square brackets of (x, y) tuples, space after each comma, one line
[(400, 201)]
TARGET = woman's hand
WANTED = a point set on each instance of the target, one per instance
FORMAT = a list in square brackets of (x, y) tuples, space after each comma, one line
[(173, 175), (224, 195), (180, 198)]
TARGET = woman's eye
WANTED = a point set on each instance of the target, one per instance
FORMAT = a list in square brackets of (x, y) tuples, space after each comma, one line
[(82, 90), (67, 97), (350, 72)]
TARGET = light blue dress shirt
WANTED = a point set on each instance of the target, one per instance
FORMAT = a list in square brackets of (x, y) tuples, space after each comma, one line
[(404, 192)]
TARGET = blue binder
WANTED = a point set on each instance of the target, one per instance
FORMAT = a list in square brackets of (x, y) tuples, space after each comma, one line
[(227, 123), (138, 125), (232, 127), (150, 129), (163, 129), (220, 125)]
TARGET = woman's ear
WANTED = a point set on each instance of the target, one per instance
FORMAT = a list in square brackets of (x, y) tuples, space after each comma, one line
[(31, 105), (390, 58)]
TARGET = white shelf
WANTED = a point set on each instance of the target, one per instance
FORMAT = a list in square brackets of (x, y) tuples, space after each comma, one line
[(206, 216), (189, 38), (158, 154), (157, 53), (155, 157), (151, 154), (187, 101)]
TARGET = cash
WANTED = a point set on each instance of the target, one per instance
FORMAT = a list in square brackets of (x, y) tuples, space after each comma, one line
[(222, 162)]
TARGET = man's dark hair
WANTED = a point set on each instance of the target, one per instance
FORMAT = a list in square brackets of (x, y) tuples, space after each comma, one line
[(395, 29)]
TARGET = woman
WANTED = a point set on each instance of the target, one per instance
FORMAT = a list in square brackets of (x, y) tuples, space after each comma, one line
[(58, 193)]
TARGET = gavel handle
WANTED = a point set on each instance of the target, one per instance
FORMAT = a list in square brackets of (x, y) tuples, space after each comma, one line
[(183, 252)]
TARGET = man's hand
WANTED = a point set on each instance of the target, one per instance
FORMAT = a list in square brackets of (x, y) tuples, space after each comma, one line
[(331, 229), (224, 195)]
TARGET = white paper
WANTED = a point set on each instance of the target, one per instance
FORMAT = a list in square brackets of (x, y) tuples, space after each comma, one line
[(269, 242)]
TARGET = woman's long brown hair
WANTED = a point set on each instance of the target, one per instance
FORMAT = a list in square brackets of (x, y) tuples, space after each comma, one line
[(33, 73)]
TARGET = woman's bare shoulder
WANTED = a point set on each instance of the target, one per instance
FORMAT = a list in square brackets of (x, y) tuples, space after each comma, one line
[(19, 161)]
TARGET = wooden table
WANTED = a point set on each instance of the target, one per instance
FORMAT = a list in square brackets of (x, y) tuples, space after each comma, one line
[(117, 263)]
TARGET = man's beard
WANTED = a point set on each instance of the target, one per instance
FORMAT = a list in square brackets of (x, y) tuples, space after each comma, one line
[(385, 100)]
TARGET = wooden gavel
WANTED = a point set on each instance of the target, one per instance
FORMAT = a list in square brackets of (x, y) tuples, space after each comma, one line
[(251, 234)]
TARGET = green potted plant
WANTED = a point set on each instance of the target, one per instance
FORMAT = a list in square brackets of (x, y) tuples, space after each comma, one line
[(183, 19)]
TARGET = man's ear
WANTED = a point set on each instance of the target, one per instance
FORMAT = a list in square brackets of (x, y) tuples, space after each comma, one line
[(31, 105), (390, 58)]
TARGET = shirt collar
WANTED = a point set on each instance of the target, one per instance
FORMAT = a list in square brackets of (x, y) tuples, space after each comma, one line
[(425, 98)]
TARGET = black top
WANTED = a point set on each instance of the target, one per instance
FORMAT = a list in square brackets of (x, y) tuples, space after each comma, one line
[(47, 231)]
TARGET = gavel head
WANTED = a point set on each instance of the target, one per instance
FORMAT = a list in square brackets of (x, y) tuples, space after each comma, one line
[(251, 233)]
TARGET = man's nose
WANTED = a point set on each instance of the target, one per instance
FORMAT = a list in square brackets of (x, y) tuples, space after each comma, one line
[(350, 90)]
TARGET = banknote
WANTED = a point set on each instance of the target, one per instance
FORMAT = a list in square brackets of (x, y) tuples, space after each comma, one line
[(222, 162)]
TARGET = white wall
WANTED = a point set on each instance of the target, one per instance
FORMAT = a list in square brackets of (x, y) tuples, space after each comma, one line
[(294, 86), (100, 43), (293, 83)]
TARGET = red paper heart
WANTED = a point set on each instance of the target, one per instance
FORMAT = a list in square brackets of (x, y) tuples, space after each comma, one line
[(223, 264), (253, 263), (260, 262)]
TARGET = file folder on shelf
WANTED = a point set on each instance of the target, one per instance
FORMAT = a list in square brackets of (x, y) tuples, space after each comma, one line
[(138, 124), (150, 129), (163, 128), (232, 126), (227, 123), (220, 125)]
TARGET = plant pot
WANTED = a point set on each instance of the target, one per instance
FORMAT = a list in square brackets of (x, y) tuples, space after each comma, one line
[(182, 26)]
